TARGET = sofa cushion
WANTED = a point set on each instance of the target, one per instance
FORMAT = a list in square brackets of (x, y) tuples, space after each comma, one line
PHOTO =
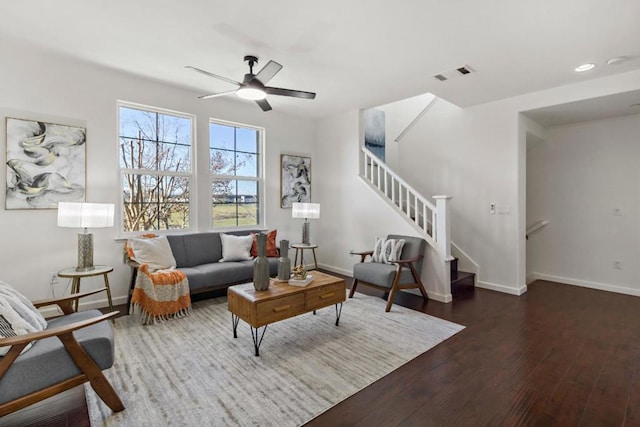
[(218, 274), (97, 340), (273, 266), (202, 248)]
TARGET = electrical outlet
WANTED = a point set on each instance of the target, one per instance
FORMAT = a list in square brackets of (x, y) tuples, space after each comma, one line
[(617, 265), (617, 212), (492, 208), (53, 279)]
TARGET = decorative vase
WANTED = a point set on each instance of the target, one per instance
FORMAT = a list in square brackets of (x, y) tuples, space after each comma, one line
[(261, 265), (284, 262)]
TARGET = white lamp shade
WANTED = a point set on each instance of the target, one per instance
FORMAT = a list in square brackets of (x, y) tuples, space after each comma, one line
[(305, 210), (85, 215)]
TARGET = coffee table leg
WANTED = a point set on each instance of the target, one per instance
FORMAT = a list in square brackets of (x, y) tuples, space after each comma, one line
[(338, 313), (234, 323), (257, 337)]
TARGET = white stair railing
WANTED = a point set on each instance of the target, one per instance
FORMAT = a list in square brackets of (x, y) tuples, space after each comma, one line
[(432, 219)]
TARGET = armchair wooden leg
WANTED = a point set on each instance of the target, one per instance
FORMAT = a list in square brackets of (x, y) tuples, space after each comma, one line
[(392, 293), (93, 372), (353, 287)]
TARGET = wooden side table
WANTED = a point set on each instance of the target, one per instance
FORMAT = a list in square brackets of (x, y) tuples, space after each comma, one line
[(71, 273), (301, 247)]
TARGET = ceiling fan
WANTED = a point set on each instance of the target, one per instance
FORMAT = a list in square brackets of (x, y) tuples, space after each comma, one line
[(253, 85)]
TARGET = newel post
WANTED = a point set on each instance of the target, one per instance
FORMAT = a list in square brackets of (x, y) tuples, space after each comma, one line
[(443, 226)]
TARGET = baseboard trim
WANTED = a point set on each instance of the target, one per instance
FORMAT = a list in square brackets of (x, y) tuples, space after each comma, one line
[(53, 310), (585, 284), (501, 288)]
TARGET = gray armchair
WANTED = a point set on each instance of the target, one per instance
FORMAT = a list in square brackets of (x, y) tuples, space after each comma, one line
[(403, 273), (73, 349)]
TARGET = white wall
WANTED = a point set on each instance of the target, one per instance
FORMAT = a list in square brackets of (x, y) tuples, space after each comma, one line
[(576, 178), (398, 116), (40, 85)]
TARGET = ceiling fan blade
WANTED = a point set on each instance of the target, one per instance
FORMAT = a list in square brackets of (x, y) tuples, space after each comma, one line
[(264, 104), (289, 92), (215, 95), (268, 71), (206, 73)]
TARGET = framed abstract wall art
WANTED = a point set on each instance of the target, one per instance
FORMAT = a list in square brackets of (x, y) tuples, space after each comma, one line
[(295, 179), (45, 164)]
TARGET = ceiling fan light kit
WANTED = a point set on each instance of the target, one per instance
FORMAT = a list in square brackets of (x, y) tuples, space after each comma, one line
[(253, 85), (251, 93)]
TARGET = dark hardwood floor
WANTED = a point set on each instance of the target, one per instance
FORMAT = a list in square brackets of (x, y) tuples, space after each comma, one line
[(558, 355)]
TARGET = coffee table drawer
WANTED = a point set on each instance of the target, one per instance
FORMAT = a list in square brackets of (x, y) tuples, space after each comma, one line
[(279, 309), (325, 296)]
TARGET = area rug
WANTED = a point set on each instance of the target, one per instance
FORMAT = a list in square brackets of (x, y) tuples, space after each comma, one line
[(191, 372)]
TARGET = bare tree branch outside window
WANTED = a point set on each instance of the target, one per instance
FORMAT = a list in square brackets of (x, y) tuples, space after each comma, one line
[(155, 153)]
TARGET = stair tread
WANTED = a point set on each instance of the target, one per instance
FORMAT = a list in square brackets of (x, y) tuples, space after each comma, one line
[(460, 276)]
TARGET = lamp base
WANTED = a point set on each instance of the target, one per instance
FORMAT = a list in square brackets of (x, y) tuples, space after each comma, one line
[(85, 252), (306, 231)]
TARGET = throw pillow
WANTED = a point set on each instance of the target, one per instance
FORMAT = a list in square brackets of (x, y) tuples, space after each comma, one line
[(386, 250), (272, 248), (236, 248), (17, 316), (377, 250), (392, 250), (153, 251), (23, 307)]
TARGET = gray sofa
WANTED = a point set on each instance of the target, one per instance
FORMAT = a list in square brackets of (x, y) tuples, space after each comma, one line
[(197, 255)]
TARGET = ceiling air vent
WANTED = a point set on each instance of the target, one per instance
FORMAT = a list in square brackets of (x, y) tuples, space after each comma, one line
[(455, 73)]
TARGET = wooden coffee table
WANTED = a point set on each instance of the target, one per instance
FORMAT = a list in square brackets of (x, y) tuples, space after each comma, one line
[(282, 301)]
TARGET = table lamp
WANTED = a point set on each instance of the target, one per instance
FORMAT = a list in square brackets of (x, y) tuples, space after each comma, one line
[(85, 215), (306, 211)]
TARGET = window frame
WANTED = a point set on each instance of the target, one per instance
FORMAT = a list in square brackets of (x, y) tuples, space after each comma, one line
[(259, 179), (191, 176)]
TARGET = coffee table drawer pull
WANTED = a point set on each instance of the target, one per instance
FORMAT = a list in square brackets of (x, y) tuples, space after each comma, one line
[(327, 295), (282, 308)]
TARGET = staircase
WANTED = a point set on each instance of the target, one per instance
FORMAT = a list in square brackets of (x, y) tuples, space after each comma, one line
[(431, 220), (461, 281)]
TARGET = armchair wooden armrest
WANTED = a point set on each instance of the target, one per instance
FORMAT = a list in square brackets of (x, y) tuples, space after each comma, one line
[(363, 254), (90, 371), (34, 336), (406, 260), (66, 303)]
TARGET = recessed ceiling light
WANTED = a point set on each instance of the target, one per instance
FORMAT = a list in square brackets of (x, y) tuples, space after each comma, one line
[(617, 60), (585, 67)]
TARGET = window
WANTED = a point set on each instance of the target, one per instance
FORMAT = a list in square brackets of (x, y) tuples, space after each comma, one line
[(155, 168), (236, 174)]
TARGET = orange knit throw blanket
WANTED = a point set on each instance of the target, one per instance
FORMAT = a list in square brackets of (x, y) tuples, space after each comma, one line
[(161, 295)]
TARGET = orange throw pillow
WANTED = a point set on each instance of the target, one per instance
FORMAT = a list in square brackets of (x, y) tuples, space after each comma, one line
[(272, 249)]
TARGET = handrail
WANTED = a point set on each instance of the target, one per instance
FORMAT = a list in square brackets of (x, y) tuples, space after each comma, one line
[(416, 208), (418, 117), (536, 226)]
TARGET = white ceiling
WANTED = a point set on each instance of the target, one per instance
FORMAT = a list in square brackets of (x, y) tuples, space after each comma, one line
[(353, 53)]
